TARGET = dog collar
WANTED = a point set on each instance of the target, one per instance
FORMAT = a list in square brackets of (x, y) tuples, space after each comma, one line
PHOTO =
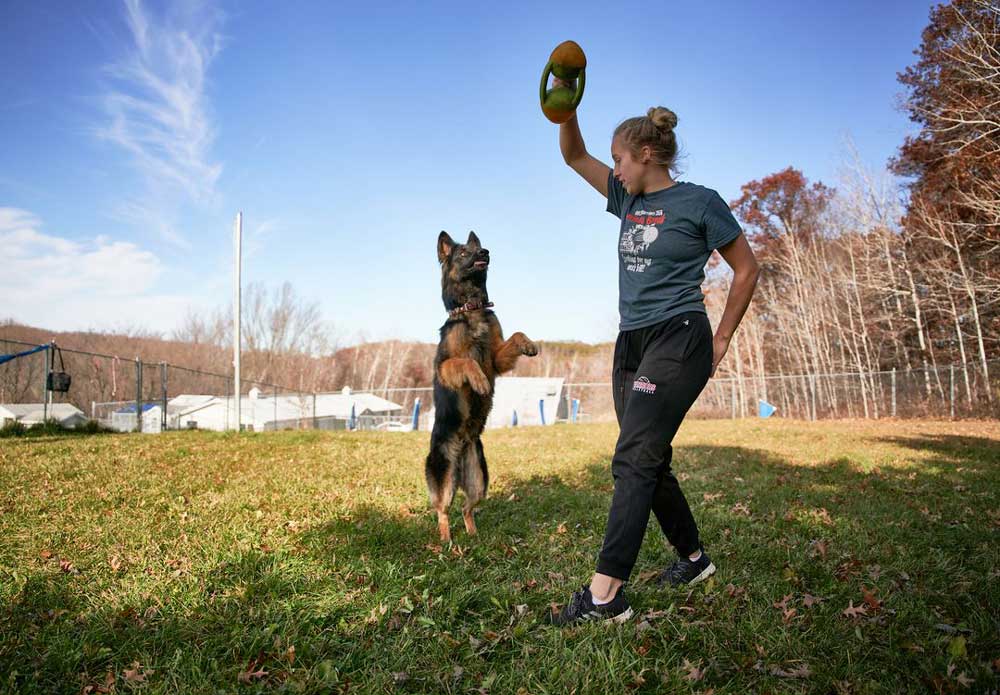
[(468, 306)]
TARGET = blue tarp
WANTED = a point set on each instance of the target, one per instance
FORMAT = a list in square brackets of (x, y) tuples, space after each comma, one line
[(8, 358)]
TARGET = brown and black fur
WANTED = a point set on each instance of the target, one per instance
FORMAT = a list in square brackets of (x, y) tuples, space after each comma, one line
[(471, 354)]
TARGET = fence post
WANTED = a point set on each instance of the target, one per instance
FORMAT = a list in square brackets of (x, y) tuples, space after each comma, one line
[(163, 389), (315, 419), (812, 386), (894, 392), (732, 397), (138, 395), (951, 389), (45, 383)]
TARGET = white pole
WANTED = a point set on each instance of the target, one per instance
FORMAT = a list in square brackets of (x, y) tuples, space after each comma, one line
[(237, 303)]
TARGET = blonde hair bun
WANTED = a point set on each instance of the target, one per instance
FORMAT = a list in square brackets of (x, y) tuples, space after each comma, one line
[(662, 117)]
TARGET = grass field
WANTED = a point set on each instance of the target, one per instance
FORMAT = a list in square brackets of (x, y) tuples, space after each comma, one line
[(854, 557)]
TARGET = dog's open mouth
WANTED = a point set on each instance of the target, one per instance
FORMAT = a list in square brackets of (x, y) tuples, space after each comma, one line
[(480, 265)]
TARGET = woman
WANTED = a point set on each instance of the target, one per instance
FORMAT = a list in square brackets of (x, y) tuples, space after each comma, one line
[(665, 351)]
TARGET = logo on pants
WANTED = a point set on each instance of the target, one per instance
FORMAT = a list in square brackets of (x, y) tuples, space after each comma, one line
[(643, 385)]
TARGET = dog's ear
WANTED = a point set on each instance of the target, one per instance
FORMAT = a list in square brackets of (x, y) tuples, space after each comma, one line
[(445, 245), (473, 241)]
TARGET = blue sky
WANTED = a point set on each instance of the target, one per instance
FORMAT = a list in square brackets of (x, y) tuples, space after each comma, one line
[(350, 134)]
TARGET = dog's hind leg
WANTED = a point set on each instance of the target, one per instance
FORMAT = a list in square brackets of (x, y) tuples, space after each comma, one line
[(440, 474), (475, 480)]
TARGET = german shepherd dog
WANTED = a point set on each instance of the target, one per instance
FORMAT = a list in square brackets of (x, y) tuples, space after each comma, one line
[(471, 354)]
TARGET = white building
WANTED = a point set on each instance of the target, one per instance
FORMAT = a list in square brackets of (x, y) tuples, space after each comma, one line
[(260, 413), (66, 414)]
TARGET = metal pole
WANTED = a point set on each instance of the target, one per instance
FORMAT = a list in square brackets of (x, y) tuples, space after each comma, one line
[(812, 385), (138, 395), (163, 388), (894, 392), (46, 394), (275, 391), (315, 419), (237, 301)]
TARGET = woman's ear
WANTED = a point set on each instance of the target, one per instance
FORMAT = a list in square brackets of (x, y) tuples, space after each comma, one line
[(646, 154)]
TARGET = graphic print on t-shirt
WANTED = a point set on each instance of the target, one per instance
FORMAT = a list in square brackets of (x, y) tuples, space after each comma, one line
[(637, 239)]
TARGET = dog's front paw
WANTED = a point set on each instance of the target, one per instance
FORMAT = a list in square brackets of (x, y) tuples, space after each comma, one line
[(479, 383), (529, 348)]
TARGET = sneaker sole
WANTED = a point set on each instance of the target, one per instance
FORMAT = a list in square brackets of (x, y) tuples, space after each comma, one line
[(621, 617), (705, 574)]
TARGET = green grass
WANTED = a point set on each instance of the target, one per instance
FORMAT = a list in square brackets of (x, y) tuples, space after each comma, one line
[(306, 562)]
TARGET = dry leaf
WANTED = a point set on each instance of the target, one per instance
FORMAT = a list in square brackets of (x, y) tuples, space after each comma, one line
[(694, 673), (853, 611), (809, 600)]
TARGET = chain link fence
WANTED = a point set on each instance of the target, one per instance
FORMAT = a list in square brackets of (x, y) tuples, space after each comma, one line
[(48, 382)]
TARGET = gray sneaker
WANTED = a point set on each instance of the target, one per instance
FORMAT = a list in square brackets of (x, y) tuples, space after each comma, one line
[(684, 571)]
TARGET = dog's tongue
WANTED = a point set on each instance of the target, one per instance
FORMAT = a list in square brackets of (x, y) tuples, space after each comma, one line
[(479, 265)]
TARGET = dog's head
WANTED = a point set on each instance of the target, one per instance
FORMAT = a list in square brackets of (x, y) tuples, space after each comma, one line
[(463, 270), (463, 262)]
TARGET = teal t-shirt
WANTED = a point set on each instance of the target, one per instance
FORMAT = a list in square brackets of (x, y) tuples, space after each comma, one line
[(665, 240)]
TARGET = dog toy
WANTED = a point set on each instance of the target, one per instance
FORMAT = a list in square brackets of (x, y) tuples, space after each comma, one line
[(568, 63)]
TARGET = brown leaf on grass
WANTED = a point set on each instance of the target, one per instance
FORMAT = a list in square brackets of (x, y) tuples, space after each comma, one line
[(406, 512), (787, 615), (809, 600), (561, 528), (457, 550), (67, 567), (433, 548), (694, 673), (711, 496), (740, 508), (782, 605), (115, 563), (848, 569), (45, 554), (136, 674), (870, 600), (964, 680), (253, 673), (853, 611), (819, 548), (734, 591), (801, 671), (874, 572)]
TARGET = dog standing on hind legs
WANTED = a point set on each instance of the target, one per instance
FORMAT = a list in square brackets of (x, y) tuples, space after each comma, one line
[(470, 355)]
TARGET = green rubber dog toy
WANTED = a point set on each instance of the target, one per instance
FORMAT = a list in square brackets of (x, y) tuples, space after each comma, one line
[(568, 63)]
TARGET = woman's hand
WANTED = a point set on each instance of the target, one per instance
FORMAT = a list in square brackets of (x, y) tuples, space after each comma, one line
[(720, 346)]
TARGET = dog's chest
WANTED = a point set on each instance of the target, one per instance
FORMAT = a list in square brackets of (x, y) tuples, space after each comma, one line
[(477, 336)]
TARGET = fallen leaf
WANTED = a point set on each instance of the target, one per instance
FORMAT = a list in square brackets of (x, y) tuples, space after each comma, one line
[(782, 605), (853, 611), (136, 674), (45, 554), (964, 680), (561, 528), (819, 548), (740, 508), (254, 671), (694, 673), (809, 600), (870, 600), (67, 567), (802, 671), (711, 496), (956, 647)]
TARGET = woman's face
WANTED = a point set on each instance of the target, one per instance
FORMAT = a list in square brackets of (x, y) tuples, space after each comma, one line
[(627, 170)]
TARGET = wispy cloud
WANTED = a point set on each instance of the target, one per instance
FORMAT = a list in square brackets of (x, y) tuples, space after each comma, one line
[(57, 282), (156, 106)]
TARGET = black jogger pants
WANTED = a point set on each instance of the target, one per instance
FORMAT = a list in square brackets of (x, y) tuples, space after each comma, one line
[(658, 373)]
